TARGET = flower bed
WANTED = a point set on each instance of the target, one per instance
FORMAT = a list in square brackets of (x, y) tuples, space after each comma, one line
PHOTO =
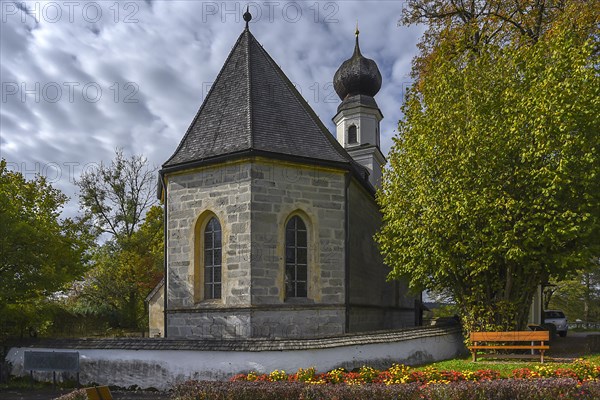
[(578, 380), (502, 389), (580, 370)]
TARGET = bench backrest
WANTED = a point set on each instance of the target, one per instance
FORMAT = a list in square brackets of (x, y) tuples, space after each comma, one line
[(515, 336), (98, 393), (49, 361)]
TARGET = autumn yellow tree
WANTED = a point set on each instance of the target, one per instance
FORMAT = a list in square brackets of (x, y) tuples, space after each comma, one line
[(120, 197)]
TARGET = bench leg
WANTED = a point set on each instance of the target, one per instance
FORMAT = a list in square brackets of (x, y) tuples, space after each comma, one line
[(542, 356), (474, 355)]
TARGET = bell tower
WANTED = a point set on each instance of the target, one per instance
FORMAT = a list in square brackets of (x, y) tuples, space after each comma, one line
[(356, 82)]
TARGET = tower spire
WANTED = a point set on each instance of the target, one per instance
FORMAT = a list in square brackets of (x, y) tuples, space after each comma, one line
[(357, 81), (357, 47), (247, 16)]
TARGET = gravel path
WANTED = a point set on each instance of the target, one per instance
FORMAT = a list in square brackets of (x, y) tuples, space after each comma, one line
[(568, 348)]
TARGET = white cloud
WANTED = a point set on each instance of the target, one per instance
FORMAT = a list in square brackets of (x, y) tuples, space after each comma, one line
[(135, 75)]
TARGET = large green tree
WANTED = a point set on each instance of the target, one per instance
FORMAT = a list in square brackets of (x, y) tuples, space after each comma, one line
[(456, 26), (120, 198), (40, 252), (123, 273), (494, 178)]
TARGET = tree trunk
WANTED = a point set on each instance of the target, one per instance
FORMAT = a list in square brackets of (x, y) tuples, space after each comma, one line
[(586, 298)]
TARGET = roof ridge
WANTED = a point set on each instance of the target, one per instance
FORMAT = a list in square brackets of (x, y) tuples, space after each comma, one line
[(212, 87), (249, 63), (265, 122), (306, 107)]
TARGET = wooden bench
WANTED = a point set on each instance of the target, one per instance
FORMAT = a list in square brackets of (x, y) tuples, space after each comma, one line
[(510, 340), (98, 393)]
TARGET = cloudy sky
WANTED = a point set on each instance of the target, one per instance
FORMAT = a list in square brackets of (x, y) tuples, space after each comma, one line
[(80, 78)]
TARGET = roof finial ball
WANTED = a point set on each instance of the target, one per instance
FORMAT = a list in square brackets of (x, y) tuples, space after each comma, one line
[(247, 16), (357, 75)]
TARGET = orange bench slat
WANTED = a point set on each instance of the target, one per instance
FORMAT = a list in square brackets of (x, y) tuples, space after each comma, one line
[(518, 347), (516, 336)]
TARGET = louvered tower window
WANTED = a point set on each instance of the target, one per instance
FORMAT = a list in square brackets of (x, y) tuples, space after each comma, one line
[(352, 135)]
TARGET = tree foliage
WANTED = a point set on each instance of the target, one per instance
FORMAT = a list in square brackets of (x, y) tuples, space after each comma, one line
[(117, 196), (40, 252), (120, 199), (457, 26), (124, 273), (494, 183)]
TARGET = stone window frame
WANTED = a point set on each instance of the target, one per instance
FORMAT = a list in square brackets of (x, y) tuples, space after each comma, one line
[(198, 262), (313, 288), (299, 230)]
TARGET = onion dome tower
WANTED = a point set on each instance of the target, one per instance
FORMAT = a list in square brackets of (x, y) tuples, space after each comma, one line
[(356, 82)]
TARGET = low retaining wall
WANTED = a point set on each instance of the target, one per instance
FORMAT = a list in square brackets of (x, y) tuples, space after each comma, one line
[(159, 363), (593, 343)]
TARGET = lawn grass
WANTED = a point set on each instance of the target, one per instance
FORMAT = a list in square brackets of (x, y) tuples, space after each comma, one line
[(504, 367), (24, 382)]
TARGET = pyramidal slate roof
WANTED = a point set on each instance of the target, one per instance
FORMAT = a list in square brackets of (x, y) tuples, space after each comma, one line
[(253, 108)]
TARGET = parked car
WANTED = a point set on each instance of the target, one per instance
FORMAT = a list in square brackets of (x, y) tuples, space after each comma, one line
[(558, 319)]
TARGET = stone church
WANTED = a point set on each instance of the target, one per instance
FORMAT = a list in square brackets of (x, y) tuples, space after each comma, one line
[(269, 220)]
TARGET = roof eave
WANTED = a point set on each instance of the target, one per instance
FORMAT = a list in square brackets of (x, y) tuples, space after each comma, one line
[(249, 153)]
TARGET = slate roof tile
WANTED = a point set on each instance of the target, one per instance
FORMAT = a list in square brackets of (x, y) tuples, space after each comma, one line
[(252, 105)]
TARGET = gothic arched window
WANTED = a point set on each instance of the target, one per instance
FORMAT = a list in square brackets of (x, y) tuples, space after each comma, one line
[(296, 258), (352, 135), (212, 259)]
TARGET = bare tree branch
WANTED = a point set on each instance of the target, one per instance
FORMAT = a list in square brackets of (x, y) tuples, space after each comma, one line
[(118, 195)]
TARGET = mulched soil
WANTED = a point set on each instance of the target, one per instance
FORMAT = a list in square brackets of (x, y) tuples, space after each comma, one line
[(49, 394)]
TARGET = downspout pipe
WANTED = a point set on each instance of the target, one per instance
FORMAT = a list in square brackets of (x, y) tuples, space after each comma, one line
[(347, 253), (165, 222)]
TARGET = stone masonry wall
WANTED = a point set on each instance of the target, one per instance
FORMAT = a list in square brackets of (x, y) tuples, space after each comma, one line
[(156, 314), (316, 195), (253, 200), (298, 322), (160, 363), (374, 302), (225, 191)]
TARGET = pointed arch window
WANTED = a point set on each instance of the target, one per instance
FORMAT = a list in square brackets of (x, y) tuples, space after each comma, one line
[(296, 256), (212, 259), (352, 135)]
